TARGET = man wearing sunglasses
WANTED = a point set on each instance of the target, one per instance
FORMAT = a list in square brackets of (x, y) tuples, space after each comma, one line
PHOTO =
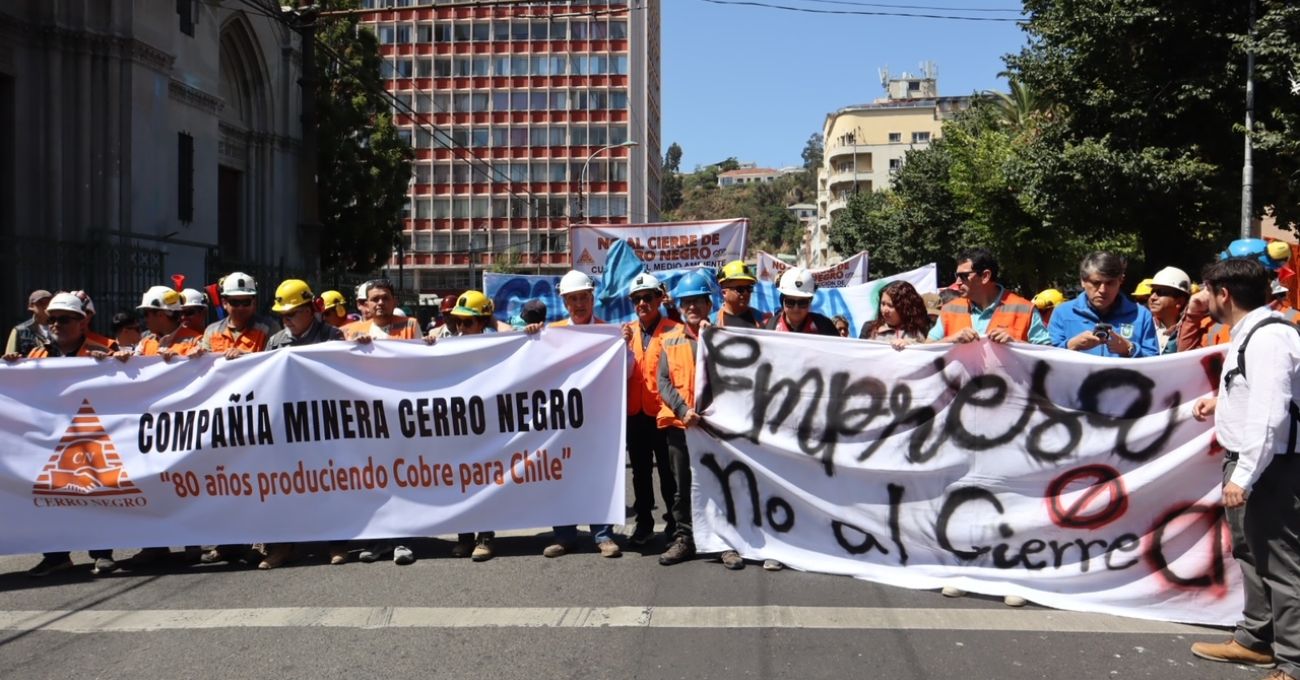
[(797, 288), (647, 446), (737, 283), (986, 308), (67, 324), (161, 307), (238, 333), (194, 309)]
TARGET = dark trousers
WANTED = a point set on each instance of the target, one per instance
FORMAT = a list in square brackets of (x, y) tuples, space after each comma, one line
[(1272, 524), (648, 448), (1255, 629), (469, 537), (681, 461)]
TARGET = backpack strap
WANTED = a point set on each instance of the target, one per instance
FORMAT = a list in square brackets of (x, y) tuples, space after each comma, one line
[(1240, 370)]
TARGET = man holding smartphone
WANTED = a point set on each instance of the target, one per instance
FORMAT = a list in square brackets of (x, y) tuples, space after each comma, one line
[(1101, 321)]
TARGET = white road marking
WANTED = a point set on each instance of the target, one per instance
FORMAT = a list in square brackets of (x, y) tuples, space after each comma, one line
[(825, 618)]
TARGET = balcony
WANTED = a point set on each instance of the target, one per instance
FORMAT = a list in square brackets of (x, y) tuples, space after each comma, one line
[(848, 151), (842, 177)]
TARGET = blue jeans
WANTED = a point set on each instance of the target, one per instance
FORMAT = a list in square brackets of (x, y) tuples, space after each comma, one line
[(569, 534)]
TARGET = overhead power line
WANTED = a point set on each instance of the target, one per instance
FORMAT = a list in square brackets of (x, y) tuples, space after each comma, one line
[(856, 3), (870, 13)]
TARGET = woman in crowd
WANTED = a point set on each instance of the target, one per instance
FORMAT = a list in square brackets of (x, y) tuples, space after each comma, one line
[(902, 319)]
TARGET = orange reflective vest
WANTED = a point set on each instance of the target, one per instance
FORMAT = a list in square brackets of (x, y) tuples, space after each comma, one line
[(219, 337), (1214, 333), (96, 338), (680, 356), (43, 351), (183, 340), (397, 331), (1013, 314), (643, 384)]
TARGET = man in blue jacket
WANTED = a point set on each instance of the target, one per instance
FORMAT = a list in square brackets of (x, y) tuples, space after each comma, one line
[(1102, 321)]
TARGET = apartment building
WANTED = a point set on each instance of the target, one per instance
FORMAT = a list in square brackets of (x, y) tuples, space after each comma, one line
[(525, 120)]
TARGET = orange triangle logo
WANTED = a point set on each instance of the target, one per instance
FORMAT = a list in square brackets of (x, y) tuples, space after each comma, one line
[(85, 462), (586, 258)]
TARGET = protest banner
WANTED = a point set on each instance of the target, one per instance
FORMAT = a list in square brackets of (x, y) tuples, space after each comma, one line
[(661, 247), (331, 441), (1074, 481), (509, 292), (851, 271)]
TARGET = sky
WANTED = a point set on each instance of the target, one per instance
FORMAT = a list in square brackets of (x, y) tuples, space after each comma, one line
[(754, 82)]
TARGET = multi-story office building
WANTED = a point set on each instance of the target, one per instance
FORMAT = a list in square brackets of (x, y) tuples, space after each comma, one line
[(522, 117), (865, 144)]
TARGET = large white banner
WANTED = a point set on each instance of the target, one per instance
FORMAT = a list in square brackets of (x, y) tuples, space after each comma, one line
[(330, 441), (851, 271), (1075, 481), (661, 247)]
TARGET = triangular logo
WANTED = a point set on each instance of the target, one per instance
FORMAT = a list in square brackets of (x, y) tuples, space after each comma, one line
[(85, 462), (586, 258)]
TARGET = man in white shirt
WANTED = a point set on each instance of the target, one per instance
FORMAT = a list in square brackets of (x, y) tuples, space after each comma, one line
[(1256, 423)]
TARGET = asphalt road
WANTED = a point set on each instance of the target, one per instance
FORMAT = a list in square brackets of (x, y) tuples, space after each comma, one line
[(521, 615)]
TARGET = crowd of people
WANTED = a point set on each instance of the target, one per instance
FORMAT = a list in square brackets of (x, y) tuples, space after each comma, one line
[(1164, 314)]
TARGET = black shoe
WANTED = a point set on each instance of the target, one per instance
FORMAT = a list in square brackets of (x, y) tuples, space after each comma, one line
[(49, 565), (642, 535), (103, 566), (680, 551)]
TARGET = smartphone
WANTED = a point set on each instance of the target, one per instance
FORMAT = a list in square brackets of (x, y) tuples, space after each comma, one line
[(1102, 330)]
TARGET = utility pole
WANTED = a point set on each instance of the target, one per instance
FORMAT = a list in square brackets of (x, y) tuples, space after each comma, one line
[(1247, 168)]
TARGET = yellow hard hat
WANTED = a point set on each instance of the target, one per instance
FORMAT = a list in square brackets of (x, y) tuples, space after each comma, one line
[(1196, 288), (736, 271), (332, 299), (472, 303), (1048, 299), (1279, 250), (1143, 288), (291, 295)]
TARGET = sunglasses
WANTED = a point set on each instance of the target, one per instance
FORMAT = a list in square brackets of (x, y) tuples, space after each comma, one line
[(459, 322), (962, 276), (62, 319), (193, 311), (239, 302), (743, 290), (643, 297), (796, 302), (696, 300)]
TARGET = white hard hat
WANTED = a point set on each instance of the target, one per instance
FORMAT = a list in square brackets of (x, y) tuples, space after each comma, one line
[(797, 282), (1279, 289), (398, 311), (87, 304), (66, 302), (362, 291), (1173, 277), (644, 281), (192, 297), (575, 282), (238, 283), (161, 297)]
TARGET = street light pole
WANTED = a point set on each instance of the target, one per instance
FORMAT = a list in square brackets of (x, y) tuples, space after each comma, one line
[(582, 178), (1247, 167)]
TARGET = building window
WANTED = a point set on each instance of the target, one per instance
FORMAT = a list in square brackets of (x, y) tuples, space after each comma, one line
[(895, 137), (913, 86), (185, 178), (895, 164), (920, 138), (185, 8)]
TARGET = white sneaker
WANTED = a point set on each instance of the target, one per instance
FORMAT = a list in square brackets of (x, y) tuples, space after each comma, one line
[(1014, 601), (403, 555), (373, 552), (953, 591)]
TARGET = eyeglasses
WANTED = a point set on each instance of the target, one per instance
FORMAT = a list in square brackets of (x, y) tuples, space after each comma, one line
[(796, 302), (239, 302), (743, 290), (63, 318), (644, 297)]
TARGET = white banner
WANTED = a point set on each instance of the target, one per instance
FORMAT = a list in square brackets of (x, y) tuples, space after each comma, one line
[(661, 247), (1075, 481), (331, 441), (851, 271)]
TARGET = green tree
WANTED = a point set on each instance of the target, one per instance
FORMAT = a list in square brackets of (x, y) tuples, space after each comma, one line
[(670, 187), (364, 166), (1149, 141), (813, 152)]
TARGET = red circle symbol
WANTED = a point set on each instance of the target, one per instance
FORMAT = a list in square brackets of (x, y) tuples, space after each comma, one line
[(1088, 483)]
